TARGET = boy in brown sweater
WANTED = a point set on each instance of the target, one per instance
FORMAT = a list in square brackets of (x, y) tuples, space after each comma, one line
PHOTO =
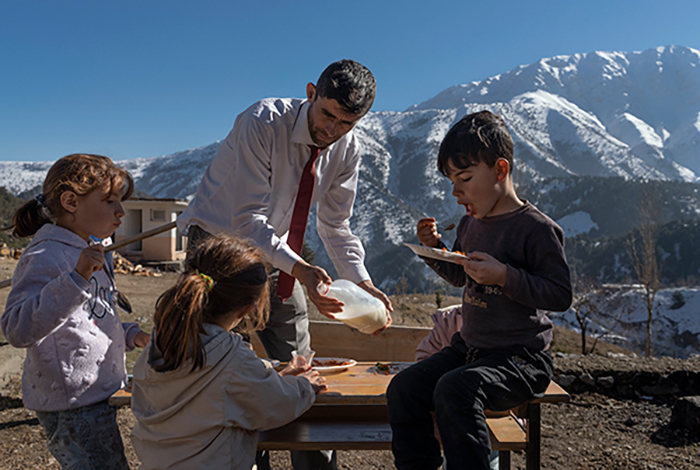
[(500, 358)]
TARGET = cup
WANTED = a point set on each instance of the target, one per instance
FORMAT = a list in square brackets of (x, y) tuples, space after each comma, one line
[(302, 357)]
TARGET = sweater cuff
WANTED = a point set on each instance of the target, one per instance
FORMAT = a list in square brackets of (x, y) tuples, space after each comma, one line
[(80, 281)]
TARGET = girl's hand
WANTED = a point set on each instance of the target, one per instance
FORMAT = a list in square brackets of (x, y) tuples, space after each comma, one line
[(91, 259), (292, 369), (427, 233), (318, 382), (141, 339), (485, 269)]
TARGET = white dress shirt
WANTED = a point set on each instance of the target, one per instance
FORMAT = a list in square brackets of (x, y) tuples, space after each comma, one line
[(251, 185)]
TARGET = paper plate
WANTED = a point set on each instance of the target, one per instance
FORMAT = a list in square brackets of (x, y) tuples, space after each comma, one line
[(327, 365), (434, 253)]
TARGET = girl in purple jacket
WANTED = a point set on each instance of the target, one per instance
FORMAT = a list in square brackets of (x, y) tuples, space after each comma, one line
[(61, 310)]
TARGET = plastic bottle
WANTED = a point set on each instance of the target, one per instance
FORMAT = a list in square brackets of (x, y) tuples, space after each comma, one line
[(363, 312)]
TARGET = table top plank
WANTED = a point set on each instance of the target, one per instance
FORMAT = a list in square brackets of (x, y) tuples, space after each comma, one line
[(363, 384)]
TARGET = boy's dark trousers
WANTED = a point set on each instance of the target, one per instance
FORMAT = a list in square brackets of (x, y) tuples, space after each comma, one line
[(459, 393)]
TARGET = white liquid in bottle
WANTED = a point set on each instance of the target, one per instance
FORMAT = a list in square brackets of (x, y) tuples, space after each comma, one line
[(363, 312)]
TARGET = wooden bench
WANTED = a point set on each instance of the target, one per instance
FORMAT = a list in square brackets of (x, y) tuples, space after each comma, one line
[(366, 427)]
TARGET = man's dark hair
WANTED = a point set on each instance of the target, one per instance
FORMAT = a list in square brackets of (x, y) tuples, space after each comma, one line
[(351, 84), (477, 137)]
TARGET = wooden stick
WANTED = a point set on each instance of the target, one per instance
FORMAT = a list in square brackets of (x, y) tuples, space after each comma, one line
[(141, 236), (115, 246)]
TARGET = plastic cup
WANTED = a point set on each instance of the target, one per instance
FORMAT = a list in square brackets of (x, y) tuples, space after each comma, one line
[(302, 357)]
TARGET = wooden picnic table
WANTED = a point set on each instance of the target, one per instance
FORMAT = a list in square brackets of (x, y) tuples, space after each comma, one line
[(353, 413)]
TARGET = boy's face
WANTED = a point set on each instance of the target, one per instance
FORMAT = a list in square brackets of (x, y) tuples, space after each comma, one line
[(478, 188)]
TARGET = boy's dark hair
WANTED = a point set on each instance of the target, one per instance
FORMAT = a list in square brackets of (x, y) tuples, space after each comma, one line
[(477, 137), (349, 83)]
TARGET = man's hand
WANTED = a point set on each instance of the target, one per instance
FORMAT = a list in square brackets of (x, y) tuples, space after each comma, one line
[(426, 231), (485, 269), (369, 287), (311, 277)]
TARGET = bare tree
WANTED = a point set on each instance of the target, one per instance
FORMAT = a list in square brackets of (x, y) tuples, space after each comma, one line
[(643, 254), (584, 304)]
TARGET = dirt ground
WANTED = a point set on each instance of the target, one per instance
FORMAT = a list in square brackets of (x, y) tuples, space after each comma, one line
[(591, 432)]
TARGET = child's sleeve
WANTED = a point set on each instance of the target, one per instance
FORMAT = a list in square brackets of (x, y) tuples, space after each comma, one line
[(451, 272), (258, 398), (42, 298), (130, 330), (546, 284)]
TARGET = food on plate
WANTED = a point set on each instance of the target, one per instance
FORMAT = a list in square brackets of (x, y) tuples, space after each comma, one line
[(456, 251), (390, 368), (330, 363)]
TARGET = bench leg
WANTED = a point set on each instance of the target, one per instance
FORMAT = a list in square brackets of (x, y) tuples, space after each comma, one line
[(532, 448), (503, 460)]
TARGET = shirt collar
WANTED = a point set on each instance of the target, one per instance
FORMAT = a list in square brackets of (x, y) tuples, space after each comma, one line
[(300, 131)]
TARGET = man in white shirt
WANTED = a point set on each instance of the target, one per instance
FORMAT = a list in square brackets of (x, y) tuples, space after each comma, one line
[(251, 186)]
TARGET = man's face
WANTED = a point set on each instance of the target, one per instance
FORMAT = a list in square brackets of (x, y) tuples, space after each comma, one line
[(328, 122)]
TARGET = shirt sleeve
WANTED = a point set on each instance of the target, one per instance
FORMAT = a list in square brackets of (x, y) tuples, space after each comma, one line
[(451, 272), (258, 398), (250, 144), (547, 284), (42, 298), (333, 223)]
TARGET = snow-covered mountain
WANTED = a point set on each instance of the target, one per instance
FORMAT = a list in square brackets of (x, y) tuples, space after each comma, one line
[(629, 114)]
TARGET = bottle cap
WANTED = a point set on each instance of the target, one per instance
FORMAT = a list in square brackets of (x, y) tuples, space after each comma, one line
[(323, 288)]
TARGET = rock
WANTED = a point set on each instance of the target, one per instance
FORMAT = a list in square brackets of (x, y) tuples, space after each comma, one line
[(587, 379), (606, 382), (565, 380), (686, 413)]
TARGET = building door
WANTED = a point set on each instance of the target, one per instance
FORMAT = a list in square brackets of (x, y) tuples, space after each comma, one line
[(134, 226)]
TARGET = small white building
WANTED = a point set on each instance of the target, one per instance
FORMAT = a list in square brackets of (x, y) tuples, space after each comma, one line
[(144, 214)]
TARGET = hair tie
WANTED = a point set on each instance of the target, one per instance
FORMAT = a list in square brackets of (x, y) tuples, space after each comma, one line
[(208, 279), (41, 202)]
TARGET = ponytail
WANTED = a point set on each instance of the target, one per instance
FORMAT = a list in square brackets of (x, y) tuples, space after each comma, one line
[(222, 275), (179, 322), (29, 218)]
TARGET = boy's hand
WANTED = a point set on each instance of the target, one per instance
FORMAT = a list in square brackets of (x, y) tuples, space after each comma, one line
[(485, 269), (91, 259), (427, 233)]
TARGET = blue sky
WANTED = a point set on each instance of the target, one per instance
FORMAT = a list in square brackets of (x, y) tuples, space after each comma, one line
[(146, 78)]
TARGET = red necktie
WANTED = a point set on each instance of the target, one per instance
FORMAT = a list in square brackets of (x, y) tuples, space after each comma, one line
[(295, 239)]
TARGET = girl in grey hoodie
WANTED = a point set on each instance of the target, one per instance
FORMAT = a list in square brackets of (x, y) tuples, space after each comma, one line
[(200, 394), (60, 309)]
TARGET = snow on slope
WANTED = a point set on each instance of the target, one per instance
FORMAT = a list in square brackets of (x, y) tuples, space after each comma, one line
[(675, 321)]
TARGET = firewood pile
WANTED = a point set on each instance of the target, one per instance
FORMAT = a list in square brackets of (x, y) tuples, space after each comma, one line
[(7, 252), (124, 266)]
